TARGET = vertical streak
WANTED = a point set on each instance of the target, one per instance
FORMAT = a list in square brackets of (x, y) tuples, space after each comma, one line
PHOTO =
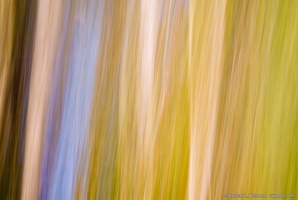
[(148, 39), (205, 80), (148, 36), (16, 101), (191, 169), (54, 109), (75, 127), (41, 79)]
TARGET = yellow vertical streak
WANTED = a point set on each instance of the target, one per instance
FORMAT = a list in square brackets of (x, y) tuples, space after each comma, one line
[(206, 67)]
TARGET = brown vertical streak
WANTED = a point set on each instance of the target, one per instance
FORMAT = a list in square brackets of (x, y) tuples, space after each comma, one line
[(16, 100)]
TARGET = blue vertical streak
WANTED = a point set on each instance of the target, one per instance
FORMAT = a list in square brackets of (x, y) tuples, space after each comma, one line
[(49, 133), (77, 102)]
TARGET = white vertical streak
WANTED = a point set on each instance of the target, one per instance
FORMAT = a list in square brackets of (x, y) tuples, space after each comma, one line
[(148, 36)]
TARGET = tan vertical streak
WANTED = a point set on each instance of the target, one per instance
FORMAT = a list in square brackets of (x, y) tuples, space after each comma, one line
[(48, 20), (206, 38), (191, 170)]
